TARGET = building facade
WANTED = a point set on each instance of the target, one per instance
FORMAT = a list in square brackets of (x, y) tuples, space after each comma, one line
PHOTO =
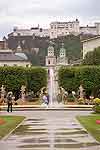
[(90, 45), (52, 60), (8, 58), (30, 32), (62, 60), (58, 29)]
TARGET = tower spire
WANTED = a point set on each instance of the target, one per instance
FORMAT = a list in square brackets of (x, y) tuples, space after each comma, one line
[(62, 59), (51, 58), (62, 50)]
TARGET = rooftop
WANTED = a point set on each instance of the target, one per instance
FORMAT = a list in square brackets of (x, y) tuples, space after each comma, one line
[(88, 27), (90, 39), (8, 55)]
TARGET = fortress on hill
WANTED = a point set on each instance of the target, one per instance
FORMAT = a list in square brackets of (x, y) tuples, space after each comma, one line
[(58, 29)]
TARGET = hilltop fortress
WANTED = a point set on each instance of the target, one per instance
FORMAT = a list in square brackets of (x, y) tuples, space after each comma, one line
[(58, 29)]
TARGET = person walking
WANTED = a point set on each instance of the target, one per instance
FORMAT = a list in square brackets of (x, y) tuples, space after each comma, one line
[(47, 95), (45, 99), (9, 101)]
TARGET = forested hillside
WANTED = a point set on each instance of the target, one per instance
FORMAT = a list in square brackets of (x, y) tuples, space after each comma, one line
[(72, 45)]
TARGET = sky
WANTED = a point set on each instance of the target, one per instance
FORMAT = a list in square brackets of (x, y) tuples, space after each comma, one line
[(30, 13)]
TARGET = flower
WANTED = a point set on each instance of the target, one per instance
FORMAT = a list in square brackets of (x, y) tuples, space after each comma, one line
[(96, 101), (81, 100)]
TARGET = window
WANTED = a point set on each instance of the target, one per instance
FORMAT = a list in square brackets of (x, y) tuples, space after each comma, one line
[(71, 26), (41, 29), (51, 27), (49, 62), (18, 34)]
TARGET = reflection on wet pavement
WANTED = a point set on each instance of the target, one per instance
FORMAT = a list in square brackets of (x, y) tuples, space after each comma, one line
[(51, 134)]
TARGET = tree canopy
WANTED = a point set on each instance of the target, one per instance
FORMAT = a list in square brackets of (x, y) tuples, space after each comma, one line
[(72, 45), (93, 57)]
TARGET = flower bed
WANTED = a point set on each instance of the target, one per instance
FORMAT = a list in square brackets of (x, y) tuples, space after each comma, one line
[(2, 121), (96, 106)]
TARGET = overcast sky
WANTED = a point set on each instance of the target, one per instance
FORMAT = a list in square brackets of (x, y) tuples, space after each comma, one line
[(26, 13)]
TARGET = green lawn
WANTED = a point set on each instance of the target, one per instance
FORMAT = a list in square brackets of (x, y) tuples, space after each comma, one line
[(10, 123), (89, 122)]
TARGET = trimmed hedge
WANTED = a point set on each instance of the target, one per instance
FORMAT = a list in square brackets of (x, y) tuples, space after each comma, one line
[(96, 108), (70, 78), (14, 77)]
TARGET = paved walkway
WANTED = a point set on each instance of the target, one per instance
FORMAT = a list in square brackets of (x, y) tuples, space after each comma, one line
[(50, 130)]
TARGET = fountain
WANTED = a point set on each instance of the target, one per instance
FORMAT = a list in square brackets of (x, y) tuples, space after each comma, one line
[(52, 89)]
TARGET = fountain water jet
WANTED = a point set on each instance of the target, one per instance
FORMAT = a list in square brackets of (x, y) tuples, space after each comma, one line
[(52, 89)]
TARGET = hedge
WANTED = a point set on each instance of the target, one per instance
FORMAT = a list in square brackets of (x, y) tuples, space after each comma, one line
[(70, 78), (14, 77)]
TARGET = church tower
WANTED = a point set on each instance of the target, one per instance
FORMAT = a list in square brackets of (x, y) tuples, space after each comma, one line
[(50, 58), (62, 51), (62, 59)]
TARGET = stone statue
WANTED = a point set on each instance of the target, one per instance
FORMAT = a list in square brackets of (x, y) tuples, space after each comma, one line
[(2, 92), (23, 90), (81, 91), (61, 95), (42, 91)]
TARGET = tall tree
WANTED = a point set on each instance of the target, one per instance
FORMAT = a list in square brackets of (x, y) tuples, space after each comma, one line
[(93, 57)]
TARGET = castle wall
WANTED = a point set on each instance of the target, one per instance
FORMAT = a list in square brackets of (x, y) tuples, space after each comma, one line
[(88, 30)]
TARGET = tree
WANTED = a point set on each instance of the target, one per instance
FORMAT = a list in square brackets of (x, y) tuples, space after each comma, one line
[(70, 78), (93, 57)]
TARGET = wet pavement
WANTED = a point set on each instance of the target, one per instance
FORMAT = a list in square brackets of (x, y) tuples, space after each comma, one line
[(50, 130)]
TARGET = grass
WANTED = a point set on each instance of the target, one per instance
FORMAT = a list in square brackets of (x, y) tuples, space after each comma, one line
[(89, 122), (10, 123)]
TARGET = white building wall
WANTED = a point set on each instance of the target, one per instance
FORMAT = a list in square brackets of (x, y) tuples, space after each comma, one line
[(76, 27), (50, 61), (44, 33), (97, 28), (90, 46), (88, 30), (60, 29), (63, 28), (15, 63), (36, 32)]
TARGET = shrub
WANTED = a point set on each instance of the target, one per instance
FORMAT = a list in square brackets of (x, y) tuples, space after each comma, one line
[(96, 101), (14, 77), (81, 101), (70, 78), (70, 98), (96, 108)]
